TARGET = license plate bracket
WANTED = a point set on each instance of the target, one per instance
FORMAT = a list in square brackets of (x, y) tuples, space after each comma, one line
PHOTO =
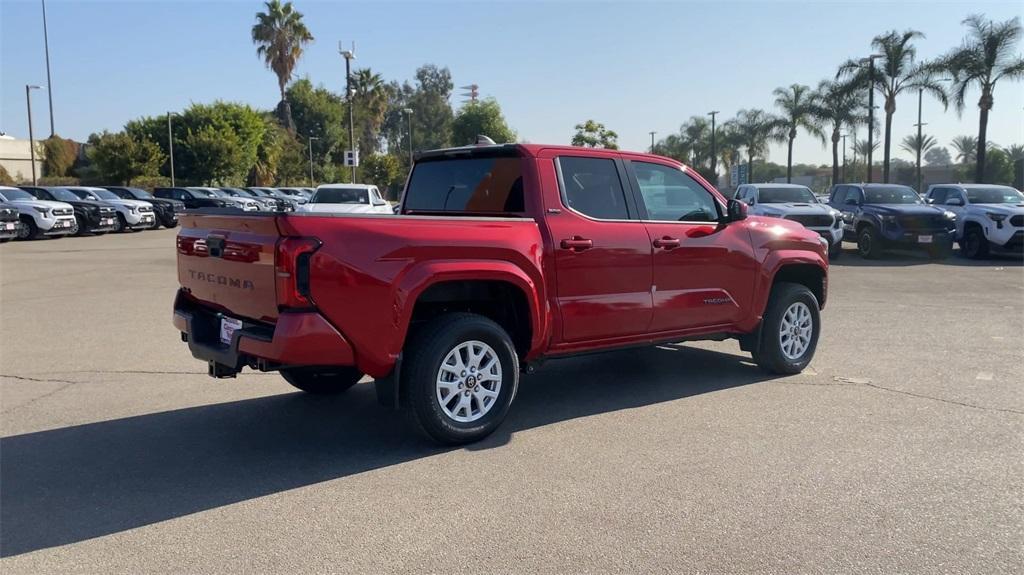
[(228, 327), (924, 239)]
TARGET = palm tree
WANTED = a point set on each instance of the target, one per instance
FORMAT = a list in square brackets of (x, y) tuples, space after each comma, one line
[(754, 128), (797, 106), (986, 56), (897, 72), (916, 146), (838, 107), (1014, 152), (966, 148), (279, 35), (861, 148), (370, 92)]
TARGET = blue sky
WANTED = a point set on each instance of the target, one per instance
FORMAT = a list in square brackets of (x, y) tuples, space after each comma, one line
[(635, 66)]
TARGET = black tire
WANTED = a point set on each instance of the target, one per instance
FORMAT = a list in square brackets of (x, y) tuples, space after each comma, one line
[(868, 243), (29, 230), (322, 380), (424, 354), (974, 245), (769, 354), (120, 224), (167, 223), (80, 228), (835, 250)]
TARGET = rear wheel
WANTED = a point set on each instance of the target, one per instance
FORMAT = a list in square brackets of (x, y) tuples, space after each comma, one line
[(120, 224), (789, 331), (322, 380), (868, 243), (974, 244), (459, 378)]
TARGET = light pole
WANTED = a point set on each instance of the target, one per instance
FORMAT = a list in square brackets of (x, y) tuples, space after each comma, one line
[(49, 82), (408, 112), (350, 55), (311, 138), (714, 148), (31, 137), (843, 136), (652, 140), (919, 124), (871, 106), (170, 144)]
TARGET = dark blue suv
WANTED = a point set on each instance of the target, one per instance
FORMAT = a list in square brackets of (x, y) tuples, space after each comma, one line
[(880, 216)]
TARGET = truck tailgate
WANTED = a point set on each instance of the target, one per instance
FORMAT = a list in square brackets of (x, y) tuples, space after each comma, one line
[(227, 261)]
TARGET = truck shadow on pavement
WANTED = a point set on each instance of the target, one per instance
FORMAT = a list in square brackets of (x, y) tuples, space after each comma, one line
[(67, 485)]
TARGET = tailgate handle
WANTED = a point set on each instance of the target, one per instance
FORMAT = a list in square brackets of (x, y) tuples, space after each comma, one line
[(215, 246)]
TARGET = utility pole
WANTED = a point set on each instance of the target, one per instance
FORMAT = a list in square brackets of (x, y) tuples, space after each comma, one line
[(350, 55), (408, 112), (919, 124), (49, 82), (311, 138), (714, 148), (652, 140), (170, 145), (871, 108), (31, 138), (474, 92)]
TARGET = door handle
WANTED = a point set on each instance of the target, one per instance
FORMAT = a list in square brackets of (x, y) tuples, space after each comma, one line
[(577, 244), (666, 243)]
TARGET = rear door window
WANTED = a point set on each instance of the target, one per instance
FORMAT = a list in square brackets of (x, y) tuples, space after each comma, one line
[(592, 187), (473, 185)]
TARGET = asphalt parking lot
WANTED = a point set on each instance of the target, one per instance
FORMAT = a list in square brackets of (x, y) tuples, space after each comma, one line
[(901, 450)]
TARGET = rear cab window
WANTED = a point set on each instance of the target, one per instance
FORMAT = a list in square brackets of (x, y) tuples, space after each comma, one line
[(487, 183)]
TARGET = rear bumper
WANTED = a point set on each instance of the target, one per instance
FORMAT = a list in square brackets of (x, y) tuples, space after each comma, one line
[(297, 339)]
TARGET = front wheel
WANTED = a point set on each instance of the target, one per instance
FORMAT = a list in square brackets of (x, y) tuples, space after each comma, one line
[(789, 330), (835, 250), (459, 378), (868, 243), (974, 245), (322, 380), (120, 224)]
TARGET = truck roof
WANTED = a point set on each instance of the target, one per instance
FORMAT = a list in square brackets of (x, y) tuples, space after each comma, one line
[(530, 150)]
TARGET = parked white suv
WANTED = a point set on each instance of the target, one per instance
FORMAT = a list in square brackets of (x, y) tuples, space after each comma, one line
[(39, 218), (987, 216), (347, 199), (799, 204), (131, 214)]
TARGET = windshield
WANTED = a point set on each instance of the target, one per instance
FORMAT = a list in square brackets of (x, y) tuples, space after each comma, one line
[(478, 185), (11, 195), (202, 193), (891, 195), (994, 195), (64, 195), (139, 194), (785, 195), (103, 194), (241, 193), (340, 196)]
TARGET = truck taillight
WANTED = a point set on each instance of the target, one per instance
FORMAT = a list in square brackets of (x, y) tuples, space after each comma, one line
[(291, 267)]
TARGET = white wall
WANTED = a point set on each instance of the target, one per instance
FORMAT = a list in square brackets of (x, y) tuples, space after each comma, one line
[(15, 157)]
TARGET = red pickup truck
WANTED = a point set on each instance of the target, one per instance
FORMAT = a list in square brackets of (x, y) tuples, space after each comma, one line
[(501, 256)]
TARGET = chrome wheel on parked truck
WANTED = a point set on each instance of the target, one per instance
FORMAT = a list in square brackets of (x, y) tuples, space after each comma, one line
[(459, 377)]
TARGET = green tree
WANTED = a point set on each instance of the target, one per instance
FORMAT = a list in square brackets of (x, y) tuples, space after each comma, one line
[(754, 128), (280, 35), (986, 57), (481, 118), (591, 134), (837, 107), (797, 104), (215, 153), (1014, 152), (268, 154), (319, 113), (912, 145), (120, 158), (432, 113), (59, 156), (966, 148), (382, 170), (897, 72), (293, 165), (938, 156), (370, 96), (5, 177)]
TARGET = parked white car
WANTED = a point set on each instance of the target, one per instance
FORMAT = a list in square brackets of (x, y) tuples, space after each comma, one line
[(39, 218), (347, 199), (797, 203), (987, 216), (131, 214)]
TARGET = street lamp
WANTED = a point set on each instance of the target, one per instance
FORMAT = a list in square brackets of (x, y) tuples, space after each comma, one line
[(652, 140), (49, 82), (408, 112), (170, 144), (311, 138), (714, 150), (919, 124), (871, 105), (350, 55), (31, 137)]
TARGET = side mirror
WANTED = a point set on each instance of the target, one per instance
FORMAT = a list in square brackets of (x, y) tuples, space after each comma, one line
[(735, 211), (851, 202), (380, 203), (954, 202)]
